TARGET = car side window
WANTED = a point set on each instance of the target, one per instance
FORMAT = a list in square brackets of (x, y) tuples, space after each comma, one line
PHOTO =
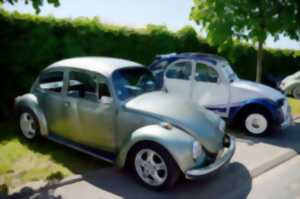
[(82, 85), (180, 70), (52, 81), (206, 73)]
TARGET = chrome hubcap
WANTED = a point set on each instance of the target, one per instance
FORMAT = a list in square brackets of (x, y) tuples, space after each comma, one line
[(256, 123), (297, 92), (27, 125), (150, 167)]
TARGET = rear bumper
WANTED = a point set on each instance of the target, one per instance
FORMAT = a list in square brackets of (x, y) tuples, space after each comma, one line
[(221, 161)]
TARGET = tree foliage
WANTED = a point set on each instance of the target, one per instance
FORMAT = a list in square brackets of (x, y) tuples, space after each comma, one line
[(228, 20), (35, 3), (292, 29), (29, 43)]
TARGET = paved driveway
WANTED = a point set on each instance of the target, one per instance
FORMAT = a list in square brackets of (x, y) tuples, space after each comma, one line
[(253, 157)]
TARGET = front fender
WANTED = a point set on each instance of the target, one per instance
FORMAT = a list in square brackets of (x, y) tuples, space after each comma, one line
[(30, 101), (175, 141)]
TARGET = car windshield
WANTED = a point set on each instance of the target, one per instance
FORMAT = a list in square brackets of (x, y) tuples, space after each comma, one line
[(131, 82), (228, 72)]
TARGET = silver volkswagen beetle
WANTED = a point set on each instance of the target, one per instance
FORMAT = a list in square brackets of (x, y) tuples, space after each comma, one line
[(109, 108)]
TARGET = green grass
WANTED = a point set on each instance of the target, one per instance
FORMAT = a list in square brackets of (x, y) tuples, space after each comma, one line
[(22, 162), (295, 106)]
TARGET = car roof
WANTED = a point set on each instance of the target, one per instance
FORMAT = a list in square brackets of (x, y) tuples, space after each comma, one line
[(103, 65), (214, 59)]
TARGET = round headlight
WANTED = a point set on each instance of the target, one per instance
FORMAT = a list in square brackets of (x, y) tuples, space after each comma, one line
[(222, 125), (197, 149)]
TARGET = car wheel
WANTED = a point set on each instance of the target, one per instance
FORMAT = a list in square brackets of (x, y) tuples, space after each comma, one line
[(257, 123), (296, 92), (28, 124), (154, 166)]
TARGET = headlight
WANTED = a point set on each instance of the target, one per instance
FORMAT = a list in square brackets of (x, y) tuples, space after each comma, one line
[(197, 149), (222, 125)]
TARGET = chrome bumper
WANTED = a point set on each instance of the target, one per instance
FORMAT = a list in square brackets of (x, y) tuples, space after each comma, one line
[(287, 122), (221, 161), (288, 118)]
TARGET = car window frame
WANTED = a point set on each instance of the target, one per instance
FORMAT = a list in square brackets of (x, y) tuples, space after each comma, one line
[(91, 73), (40, 89), (176, 62), (214, 67)]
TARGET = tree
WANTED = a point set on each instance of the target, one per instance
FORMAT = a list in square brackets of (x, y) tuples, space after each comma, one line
[(228, 20), (35, 3), (293, 29)]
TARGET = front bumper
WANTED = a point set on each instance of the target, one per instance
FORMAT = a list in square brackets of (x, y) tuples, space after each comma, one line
[(221, 161)]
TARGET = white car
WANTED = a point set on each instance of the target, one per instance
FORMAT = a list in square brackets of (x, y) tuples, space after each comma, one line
[(209, 80), (291, 85)]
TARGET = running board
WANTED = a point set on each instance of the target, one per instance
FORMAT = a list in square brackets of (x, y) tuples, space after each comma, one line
[(97, 153)]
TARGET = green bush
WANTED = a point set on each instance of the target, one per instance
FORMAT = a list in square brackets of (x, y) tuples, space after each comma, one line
[(30, 43)]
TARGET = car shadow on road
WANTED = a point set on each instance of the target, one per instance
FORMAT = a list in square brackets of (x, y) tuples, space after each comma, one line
[(221, 185), (234, 181), (287, 138)]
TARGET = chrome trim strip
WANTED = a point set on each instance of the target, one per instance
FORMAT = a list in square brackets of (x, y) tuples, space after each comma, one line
[(73, 146)]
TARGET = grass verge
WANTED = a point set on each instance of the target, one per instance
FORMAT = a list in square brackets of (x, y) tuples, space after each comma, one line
[(22, 162), (295, 106)]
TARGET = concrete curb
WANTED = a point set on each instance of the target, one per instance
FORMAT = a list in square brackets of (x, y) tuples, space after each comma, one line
[(296, 118), (268, 165)]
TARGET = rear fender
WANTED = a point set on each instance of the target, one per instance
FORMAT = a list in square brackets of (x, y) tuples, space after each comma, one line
[(30, 101)]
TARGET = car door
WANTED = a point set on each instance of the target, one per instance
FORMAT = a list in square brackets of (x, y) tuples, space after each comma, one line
[(177, 78), (50, 94), (90, 110), (209, 89)]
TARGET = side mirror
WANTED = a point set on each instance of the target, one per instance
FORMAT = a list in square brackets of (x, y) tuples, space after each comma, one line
[(106, 100)]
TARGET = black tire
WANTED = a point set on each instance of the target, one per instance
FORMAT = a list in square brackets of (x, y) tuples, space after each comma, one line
[(265, 114), (173, 171), (36, 125)]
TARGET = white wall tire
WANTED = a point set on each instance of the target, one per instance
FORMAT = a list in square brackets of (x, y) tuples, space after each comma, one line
[(296, 92), (28, 124), (154, 167), (257, 123)]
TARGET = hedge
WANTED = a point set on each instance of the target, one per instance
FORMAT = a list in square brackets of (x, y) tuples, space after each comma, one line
[(29, 43)]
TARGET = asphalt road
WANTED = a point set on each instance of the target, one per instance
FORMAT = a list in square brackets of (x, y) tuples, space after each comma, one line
[(261, 168)]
